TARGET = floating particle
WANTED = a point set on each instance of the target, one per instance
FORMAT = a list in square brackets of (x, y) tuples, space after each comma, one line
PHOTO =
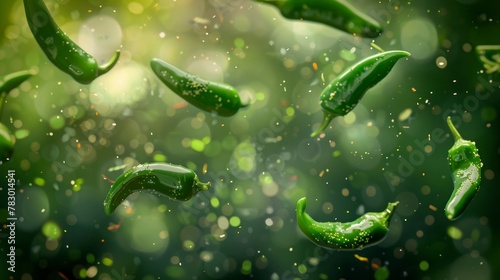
[(360, 258), (116, 226), (454, 232), (424, 265)]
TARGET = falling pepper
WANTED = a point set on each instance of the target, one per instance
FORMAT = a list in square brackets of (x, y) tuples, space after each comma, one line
[(347, 89), (174, 181), (465, 166), (369, 229), (60, 49), (8, 83), (220, 98), (339, 14)]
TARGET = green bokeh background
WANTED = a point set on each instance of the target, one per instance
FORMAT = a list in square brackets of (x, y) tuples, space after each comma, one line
[(393, 145)]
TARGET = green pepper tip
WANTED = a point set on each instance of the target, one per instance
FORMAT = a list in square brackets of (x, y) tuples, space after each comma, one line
[(327, 118), (153, 61), (398, 53), (301, 205), (391, 206), (203, 186), (102, 69), (450, 217), (108, 210)]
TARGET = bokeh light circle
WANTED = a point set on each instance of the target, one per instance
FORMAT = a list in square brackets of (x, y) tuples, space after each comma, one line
[(419, 37)]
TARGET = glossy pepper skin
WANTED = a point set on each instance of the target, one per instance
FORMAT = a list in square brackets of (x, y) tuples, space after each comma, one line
[(369, 229), (220, 98), (60, 49), (347, 89), (8, 83), (465, 166), (339, 14), (174, 181)]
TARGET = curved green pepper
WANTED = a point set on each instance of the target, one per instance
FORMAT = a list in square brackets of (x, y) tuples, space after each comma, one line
[(347, 89), (465, 166), (174, 181), (8, 83), (13, 80), (220, 98), (338, 14), (369, 229), (60, 49)]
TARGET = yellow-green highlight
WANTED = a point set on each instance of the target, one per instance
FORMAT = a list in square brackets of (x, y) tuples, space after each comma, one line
[(424, 265), (302, 269), (51, 230), (246, 267), (160, 158), (214, 201), (57, 122), (234, 221), (39, 181), (107, 261), (197, 145), (78, 184), (454, 233)]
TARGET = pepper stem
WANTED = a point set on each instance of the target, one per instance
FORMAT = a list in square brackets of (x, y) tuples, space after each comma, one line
[(200, 186), (327, 118), (303, 219), (102, 69), (453, 129), (386, 215), (377, 47), (111, 181), (391, 207)]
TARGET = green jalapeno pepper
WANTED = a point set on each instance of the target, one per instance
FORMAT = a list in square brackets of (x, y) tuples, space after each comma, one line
[(339, 14), (60, 49), (13, 80), (220, 98), (347, 89), (174, 181), (465, 166), (369, 229), (8, 83)]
